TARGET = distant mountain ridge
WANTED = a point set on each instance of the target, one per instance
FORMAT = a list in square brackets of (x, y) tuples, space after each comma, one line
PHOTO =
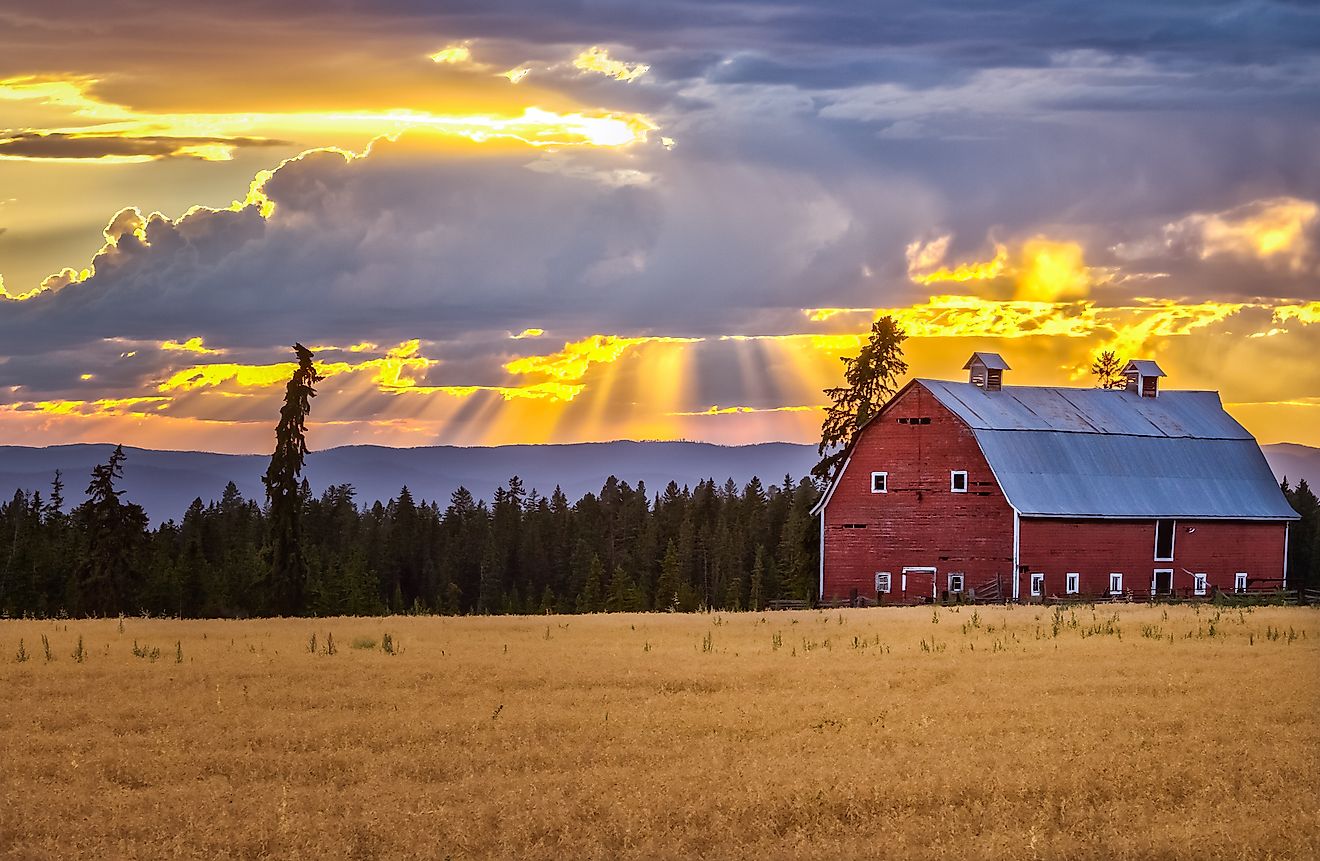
[(166, 482)]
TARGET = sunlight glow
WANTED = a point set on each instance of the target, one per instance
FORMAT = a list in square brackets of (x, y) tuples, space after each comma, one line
[(597, 59), (216, 136), (1264, 229), (192, 345), (459, 53)]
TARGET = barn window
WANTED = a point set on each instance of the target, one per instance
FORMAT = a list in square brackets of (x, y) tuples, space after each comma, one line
[(956, 583), (879, 482), (1164, 540), (958, 481), (1037, 584), (1240, 582), (1198, 584), (1074, 583), (883, 580), (1115, 584)]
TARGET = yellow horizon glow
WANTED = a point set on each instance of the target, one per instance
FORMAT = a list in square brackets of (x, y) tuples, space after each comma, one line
[(533, 126)]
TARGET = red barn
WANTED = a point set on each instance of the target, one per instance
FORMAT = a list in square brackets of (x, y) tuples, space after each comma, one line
[(1025, 492)]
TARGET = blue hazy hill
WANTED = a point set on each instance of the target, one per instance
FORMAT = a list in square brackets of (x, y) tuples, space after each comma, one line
[(166, 482)]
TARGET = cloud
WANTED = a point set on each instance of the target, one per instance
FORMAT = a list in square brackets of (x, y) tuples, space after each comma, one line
[(1129, 176), (192, 345), (597, 59), (459, 53), (1281, 229), (122, 149), (1045, 270)]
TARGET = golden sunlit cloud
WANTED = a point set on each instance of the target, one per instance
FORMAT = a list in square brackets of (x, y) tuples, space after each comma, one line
[(6, 296), (729, 411), (528, 333), (571, 363), (192, 345), (597, 59), (459, 53), (1052, 271), (921, 257), (951, 316), (516, 74), (1275, 228), (1045, 270), (820, 315), (123, 135), (101, 407)]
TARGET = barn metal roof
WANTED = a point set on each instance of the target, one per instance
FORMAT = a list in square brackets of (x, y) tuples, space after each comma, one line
[(1061, 452)]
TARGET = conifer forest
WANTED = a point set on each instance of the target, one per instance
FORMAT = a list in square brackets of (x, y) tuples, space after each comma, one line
[(714, 545)]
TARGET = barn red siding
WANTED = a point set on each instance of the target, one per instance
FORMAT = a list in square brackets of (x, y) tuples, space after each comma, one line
[(920, 522), (1095, 548)]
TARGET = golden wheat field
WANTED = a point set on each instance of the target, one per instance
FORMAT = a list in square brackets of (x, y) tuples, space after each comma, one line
[(1120, 732)]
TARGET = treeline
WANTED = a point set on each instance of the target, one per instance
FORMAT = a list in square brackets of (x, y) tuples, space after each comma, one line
[(716, 546), (1303, 537)]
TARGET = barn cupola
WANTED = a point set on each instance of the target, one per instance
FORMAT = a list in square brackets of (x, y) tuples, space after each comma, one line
[(1143, 377), (987, 371)]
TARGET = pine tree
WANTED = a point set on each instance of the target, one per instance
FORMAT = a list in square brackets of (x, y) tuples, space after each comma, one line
[(623, 593), (288, 569), (756, 601), (1108, 371), (870, 378), (56, 506), (667, 588), (114, 531), (591, 601)]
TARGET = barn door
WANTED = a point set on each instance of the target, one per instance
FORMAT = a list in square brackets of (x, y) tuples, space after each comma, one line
[(919, 584)]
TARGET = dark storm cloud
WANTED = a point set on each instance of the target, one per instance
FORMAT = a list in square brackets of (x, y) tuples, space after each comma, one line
[(58, 145)]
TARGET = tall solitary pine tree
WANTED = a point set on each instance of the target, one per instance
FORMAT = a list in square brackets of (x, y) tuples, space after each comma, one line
[(288, 568), (869, 378)]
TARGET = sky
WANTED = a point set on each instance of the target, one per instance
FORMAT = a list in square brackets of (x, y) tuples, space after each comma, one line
[(517, 222)]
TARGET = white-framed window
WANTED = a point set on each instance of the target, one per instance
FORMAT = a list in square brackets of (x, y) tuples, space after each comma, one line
[(955, 583), (1240, 581), (958, 481), (1161, 581), (1115, 583), (883, 581), (1074, 583), (1164, 530), (1198, 584), (879, 482), (1038, 584)]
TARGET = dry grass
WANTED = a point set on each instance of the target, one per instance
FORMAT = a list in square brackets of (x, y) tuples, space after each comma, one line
[(1136, 732)]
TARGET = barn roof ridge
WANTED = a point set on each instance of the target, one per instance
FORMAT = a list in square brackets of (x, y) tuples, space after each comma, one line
[(1177, 414)]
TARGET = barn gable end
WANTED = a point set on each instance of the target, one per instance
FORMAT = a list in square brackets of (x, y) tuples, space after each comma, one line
[(919, 520)]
